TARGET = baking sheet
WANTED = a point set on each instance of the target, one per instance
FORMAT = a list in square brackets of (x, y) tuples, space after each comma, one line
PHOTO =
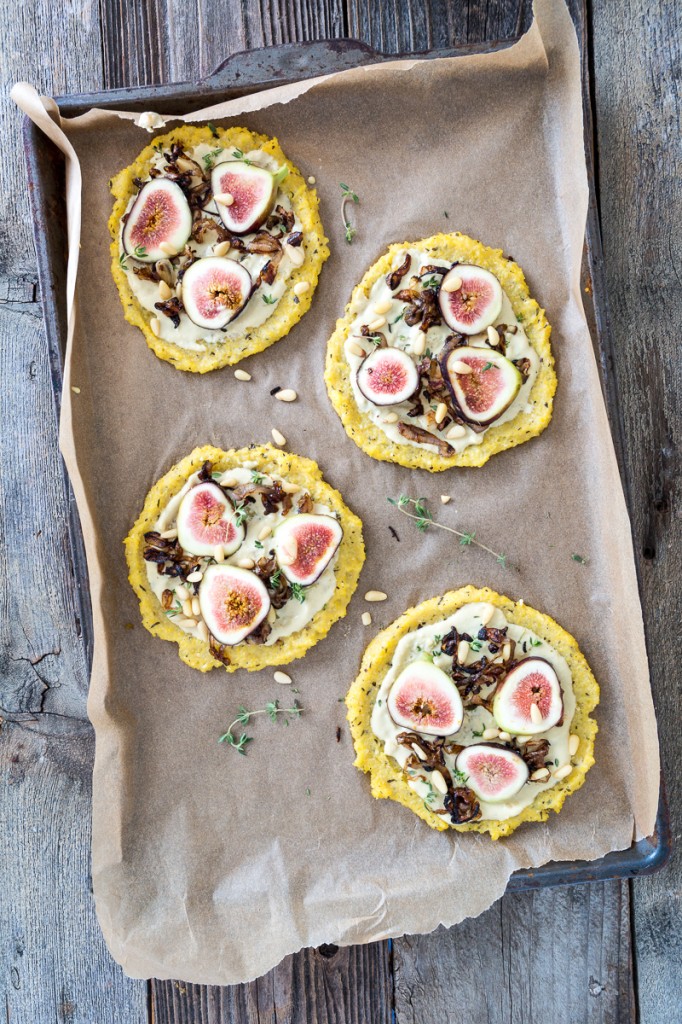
[(165, 908)]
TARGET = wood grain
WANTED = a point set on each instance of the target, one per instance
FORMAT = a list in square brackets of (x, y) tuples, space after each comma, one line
[(637, 105)]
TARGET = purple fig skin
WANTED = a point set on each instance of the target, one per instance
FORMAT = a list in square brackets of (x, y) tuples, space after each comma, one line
[(425, 699), (166, 201), (511, 680), (372, 363), (315, 550), (239, 179), (484, 356), (514, 765), (193, 283)]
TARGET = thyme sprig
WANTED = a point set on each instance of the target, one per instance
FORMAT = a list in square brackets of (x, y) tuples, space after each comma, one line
[(271, 709), (348, 196), (424, 520), (238, 154)]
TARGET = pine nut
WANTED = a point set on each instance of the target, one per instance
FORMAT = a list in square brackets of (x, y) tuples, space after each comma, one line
[(272, 616), (286, 395), (295, 254), (487, 614), (535, 715), (196, 609), (311, 179), (219, 553), (264, 532), (563, 772), (540, 775), (573, 744), (282, 677), (375, 595), (382, 306), (301, 287), (202, 630), (441, 412), (462, 651), (366, 619), (277, 437), (169, 534), (377, 324), (512, 329), (457, 431), (459, 366), (246, 563), (190, 623), (493, 336), (288, 552), (445, 499), (289, 488), (391, 417), (506, 652), (419, 344), (438, 781), (187, 608), (418, 751), (165, 291), (224, 198), (356, 349), (453, 285), (75, 390), (490, 734), (155, 325), (221, 249), (229, 481), (504, 736), (522, 740), (195, 577), (242, 375), (182, 593), (169, 249)]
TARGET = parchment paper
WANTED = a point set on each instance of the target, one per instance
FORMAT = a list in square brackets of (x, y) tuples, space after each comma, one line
[(210, 866)]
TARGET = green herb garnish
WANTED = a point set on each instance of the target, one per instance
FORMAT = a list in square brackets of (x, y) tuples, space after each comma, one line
[(271, 709), (238, 154), (269, 300), (581, 559), (424, 520), (298, 592)]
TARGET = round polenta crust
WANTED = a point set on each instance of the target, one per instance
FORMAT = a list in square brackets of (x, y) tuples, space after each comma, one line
[(368, 436), (387, 777), (265, 459), (287, 313)]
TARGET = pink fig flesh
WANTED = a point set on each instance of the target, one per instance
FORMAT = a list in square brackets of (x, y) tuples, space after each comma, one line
[(305, 545), (206, 521), (423, 698), (476, 304), (233, 602), (159, 215), (387, 376), (532, 681), (253, 190), (493, 773), (490, 387), (215, 289)]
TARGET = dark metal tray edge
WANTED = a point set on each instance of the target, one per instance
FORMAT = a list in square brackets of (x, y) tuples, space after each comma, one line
[(259, 70)]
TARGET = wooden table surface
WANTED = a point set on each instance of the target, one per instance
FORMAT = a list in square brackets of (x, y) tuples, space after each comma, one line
[(607, 952)]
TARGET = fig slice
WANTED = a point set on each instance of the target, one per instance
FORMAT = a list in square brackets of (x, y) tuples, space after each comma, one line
[(531, 683), (215, 289), (387, 376), (305, 545), (159, 216), (425, 699), (253, 190), (233, 602), (476, 304), (487, 389), (206, 521), (493, 773)]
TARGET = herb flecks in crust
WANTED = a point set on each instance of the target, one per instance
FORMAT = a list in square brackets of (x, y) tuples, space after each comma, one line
[(367, 434), (290, 308), (388, 780), (264, 460)]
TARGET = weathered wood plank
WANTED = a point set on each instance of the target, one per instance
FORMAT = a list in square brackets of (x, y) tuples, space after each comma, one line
[(313, 987), (637, 106), (53, 962), (560, 955)]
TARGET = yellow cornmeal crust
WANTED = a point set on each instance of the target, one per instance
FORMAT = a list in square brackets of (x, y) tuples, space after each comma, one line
[(387, 777), (264, 459), (368, 436), (287, 312)]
